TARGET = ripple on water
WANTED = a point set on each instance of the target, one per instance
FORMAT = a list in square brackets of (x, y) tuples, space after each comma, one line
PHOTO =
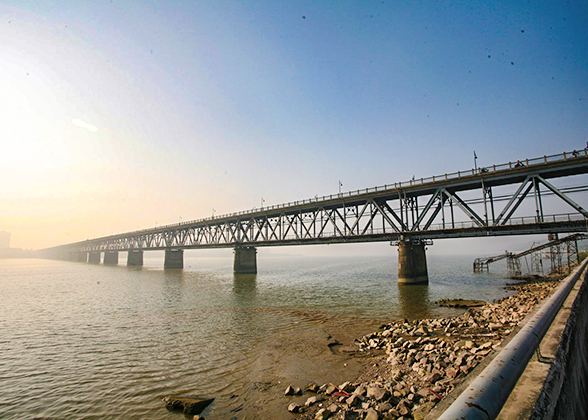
[(91, 341)]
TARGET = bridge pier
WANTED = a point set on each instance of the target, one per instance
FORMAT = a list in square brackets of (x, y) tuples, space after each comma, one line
[(94, 257), (412, 263), (174, 258), (110, 257), (135, 257), (82, 257), (245, 260)]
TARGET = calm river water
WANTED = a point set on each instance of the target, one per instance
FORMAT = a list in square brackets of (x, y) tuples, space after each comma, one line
[(81, 341)]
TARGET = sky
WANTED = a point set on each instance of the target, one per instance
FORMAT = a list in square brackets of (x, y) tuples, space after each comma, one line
[(123, 115)]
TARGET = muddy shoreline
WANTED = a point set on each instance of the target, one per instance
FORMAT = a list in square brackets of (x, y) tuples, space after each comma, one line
[(407, 367)]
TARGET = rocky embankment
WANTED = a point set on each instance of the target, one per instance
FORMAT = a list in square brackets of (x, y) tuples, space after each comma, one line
[(414, 365)]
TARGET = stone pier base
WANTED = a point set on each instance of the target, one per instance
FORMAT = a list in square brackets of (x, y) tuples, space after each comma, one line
[(412, 263), (111, 257), (135, 258), (174, 258), (94, 258), (245, 260)]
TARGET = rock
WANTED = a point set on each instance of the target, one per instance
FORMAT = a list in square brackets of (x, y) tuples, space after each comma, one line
[(198, 417), (377, 392), (371, 414), (346, 387), (322, 414), (313, 400), (330, 389), (294, 408), (434, 377), (289, 391), (403, 408), (333, 408), (351, 415), (188, 404), (421, 412), (354, 400), (360, 390), (422, 331), (384, 407), (312, 387)]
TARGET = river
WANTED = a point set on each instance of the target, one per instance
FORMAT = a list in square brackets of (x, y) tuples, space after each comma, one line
[(82, 341)]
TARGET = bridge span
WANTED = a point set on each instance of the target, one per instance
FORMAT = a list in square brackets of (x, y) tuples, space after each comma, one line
[(515, 198)]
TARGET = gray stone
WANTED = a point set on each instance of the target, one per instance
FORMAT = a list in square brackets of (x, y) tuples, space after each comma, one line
[(419, 413), (354, 400), (294, 408), (371, 414), (377, 392), (313, 400), (322, 414), (312, 387), (330, 389)]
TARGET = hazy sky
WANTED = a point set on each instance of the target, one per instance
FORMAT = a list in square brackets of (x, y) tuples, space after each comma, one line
[(118, 115)]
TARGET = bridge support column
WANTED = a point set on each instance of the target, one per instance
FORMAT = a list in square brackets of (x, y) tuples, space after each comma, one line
[(110, 257), (412, 263), (174, 258), (245, 260), (135, 257), (82, 257), (94, 258)]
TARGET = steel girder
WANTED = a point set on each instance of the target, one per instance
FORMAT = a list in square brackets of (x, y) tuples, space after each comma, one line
[(425, 210)]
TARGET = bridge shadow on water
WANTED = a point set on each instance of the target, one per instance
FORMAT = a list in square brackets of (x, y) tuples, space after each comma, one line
[(244, 289), (414, 301)]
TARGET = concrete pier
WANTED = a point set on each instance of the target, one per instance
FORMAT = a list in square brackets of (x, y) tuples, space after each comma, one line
[(111, 257), (82, 257), (94, 257), (135, 257), (174, 258), (245, 260), (412, 263)]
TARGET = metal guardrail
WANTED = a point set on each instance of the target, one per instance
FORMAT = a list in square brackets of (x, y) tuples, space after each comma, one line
[(488, 393), (390, 187)]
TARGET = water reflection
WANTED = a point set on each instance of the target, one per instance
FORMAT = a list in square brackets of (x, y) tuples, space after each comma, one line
[(245, 289), (173, 283), (414, 301)]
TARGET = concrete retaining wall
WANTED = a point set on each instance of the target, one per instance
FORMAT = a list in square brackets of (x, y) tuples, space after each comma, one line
[(565, 392)]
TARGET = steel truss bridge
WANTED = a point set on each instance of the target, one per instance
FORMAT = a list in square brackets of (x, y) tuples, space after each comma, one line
[(468, 203)]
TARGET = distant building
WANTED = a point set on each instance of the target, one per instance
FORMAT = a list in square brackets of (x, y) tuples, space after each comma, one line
[(4, 240)]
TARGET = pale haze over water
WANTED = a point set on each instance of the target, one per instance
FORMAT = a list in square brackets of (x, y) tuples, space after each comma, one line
[(93, 341)]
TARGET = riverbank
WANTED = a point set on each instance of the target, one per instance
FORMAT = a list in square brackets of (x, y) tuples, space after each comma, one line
[(409, 367)]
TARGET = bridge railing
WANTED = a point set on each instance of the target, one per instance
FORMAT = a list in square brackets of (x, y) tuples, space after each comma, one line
[(390, 187)]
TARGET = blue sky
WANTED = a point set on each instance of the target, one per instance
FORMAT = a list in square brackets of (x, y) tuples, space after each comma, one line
[(207, 105)]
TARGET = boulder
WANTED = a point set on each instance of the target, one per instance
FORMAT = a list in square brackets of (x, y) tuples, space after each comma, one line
[(294, 408)]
